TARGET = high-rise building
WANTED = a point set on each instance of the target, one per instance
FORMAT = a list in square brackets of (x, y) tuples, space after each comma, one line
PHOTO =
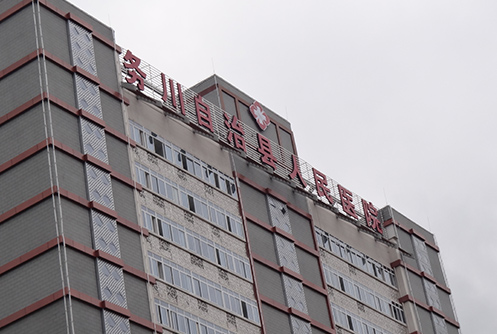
[(131, 204)]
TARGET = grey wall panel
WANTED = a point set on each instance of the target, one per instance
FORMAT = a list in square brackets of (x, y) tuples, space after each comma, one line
[(137, 296), (301, 228), (7, 4), (212, 97), (106, 66), (118, 156), (112, 112), (286, 140), (17, 35), (316, 330), (50, 319), (254, 202), (309, 266), (262, 242), (34, 175), (124, 200), (287, 256), (66, 128), (19, 87), (137, 329), (131, 252), (30, 282), (71, 174), (55, 34), (229, 103), (317, 306), (426, 321), (275, 321), (264, 179), (278, 213), (269, 283), (82, 272), (447, 308), (417, 287), (405, 241), (87, 318), (407, 245), (77, 225), (66, 7), (403, 220), (21, 133), (37, 225), (436, 266), (452, 329), (61, 83)]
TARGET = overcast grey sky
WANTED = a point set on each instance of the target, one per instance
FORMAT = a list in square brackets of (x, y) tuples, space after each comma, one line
[(394, 99)]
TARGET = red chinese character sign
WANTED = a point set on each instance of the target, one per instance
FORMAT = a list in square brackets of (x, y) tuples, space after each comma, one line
[(347, 204), (322, 185), (296, 172), (204, 116), (371, 216), (259, 115), (266, 151), (173, 94), (134, 72), (235, 132)]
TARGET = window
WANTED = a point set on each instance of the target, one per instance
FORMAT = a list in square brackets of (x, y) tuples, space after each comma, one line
[(180, 320), (202, 287), (196, 243), (188, 200), (355, 257), (364, 294)]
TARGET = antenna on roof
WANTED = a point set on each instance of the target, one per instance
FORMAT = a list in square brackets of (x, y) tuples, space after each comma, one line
[(215, 83), (213, 68)]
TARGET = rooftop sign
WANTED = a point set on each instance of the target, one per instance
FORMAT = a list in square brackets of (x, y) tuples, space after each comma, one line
[(207, 117)]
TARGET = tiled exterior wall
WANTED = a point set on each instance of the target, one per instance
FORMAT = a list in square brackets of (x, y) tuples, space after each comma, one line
[(170, 251)]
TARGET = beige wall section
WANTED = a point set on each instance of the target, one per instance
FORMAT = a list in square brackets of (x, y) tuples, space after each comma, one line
[(168, 127), (351, 235)]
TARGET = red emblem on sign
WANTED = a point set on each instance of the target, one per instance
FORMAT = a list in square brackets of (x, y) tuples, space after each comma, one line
[(259, 115)]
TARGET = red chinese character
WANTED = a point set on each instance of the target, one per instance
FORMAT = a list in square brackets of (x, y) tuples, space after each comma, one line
[(133, 71), (371, 215), (203, 113), (164, 87), (266, 151), (234, 138), (346, 199), (180, 98), (296, 172), (322, 185), (173, 94)]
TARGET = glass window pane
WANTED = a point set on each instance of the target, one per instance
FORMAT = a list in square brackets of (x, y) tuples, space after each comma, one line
[(169, 153), (168, 276), (162, 188), (158, 147)]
